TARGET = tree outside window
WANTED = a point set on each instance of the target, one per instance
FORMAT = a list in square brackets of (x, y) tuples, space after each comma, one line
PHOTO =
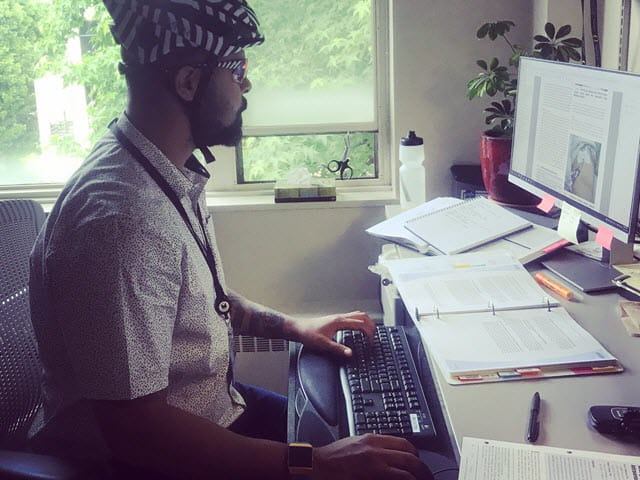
[(60, 87)]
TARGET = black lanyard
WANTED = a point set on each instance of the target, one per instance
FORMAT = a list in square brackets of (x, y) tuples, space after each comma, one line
[(221, 304)]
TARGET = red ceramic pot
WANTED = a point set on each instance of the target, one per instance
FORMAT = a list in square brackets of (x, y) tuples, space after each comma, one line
[(495, 158)]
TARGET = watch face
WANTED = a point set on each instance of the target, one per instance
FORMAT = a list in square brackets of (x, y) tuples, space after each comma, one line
[(300, 456)]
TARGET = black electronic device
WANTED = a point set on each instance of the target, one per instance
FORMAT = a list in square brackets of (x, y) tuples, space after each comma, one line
[(382, 389), (617, 420)]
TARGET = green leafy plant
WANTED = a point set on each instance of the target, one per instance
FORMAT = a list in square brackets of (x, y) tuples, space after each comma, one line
[(496, 78)]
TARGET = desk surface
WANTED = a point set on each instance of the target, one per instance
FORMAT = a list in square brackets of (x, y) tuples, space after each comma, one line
[(500, 410)]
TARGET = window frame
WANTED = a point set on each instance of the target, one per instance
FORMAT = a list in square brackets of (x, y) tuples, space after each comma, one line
[(223, 181), (224, 170)]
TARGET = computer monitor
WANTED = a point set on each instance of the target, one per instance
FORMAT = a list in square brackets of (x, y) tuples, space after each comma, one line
[(577, 138)]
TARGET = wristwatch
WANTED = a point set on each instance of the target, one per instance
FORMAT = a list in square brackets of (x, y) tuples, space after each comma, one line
[(300, 460)]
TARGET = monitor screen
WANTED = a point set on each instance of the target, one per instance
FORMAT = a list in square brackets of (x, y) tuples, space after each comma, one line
[(577, 138)]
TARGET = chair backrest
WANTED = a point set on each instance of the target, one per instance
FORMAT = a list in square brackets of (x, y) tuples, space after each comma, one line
[(20, 367)]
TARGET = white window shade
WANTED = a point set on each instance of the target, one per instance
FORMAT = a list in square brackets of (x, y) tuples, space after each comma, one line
[(315, 73), (268, 107)]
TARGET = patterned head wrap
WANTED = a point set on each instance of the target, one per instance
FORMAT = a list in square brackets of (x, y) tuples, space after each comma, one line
[(151, 29)]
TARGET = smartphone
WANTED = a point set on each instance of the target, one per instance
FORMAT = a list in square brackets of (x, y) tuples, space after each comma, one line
[(616, 420)]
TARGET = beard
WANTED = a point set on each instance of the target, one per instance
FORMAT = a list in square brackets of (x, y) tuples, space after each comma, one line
[(209, 132)]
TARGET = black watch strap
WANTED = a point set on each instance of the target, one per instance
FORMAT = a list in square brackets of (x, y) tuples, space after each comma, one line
[(300, 460)]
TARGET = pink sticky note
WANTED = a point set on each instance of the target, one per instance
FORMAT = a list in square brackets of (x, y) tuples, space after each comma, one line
[(547, 203), (604, 237)]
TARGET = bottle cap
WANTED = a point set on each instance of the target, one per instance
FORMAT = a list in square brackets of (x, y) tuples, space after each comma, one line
[(411, 140)]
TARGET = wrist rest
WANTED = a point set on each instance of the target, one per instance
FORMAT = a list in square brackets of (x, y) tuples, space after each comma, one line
[(319, 377)]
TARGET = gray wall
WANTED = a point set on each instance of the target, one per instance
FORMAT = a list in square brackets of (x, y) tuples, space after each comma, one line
[(435, 52), (286, 256)]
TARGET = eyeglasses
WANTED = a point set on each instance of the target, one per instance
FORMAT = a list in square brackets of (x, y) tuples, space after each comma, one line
[(238, 68)]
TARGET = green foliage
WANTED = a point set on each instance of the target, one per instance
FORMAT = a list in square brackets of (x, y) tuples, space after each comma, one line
[(267, 159), (496, 78), (313, 44), (19, 31), (98, 72), (317, 45)]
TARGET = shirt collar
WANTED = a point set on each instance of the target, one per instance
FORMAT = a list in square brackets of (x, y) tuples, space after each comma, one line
[(182, 180)]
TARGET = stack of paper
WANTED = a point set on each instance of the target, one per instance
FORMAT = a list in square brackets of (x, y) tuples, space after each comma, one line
[(525, 245), (466, 225), (393, 229)]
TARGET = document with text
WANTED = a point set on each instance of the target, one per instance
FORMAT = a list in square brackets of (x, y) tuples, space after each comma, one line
[(490, 345), (484, 319), (466, 283), (466, 225), (393, 229), (493, 460)]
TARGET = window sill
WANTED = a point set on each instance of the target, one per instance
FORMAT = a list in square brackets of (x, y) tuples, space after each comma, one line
[(228, 201), (233, 201)]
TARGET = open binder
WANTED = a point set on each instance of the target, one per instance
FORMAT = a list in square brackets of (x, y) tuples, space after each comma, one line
[(485, 319)]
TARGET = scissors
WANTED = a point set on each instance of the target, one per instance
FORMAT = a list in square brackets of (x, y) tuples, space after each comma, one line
[(342, 166)]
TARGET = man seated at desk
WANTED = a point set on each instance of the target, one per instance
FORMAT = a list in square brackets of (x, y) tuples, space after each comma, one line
[(129, 302)]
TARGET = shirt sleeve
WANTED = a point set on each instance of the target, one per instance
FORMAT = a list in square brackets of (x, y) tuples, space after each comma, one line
[(114, 287)]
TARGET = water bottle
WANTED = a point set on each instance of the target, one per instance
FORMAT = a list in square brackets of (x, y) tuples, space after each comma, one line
[(412, 175)]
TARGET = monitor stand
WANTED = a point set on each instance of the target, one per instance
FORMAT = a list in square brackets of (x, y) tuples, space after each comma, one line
[(587, 274)]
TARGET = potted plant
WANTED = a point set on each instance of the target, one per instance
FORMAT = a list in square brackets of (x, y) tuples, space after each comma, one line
[(498, 79)]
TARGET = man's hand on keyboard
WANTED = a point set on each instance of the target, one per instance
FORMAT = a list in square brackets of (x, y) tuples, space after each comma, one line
[(369, 457), (318, 333)]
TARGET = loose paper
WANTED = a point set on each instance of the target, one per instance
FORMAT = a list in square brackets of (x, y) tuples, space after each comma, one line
[(630, 316), (633, 270), (494, 460), (587, 249), (393, 228)]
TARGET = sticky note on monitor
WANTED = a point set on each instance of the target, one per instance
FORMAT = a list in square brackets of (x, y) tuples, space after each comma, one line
[(604, 236), (547, 203)]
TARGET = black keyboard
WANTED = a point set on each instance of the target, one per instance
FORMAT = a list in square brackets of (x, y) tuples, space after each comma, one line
[(382, 388)]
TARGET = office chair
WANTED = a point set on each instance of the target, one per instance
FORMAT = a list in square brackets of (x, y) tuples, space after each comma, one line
[(20, 367)]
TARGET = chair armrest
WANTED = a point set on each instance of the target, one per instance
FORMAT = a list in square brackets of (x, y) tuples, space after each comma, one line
[(32, 466)]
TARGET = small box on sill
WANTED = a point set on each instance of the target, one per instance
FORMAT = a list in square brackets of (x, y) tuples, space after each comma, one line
[(318, 190)]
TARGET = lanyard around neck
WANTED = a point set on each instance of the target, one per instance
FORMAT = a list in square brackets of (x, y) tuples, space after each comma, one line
[(222, 304)]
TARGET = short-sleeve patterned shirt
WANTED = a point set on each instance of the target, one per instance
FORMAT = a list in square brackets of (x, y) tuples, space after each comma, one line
[(123, 299)]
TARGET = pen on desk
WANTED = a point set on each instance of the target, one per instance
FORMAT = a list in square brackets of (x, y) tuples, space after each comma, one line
[(533, 429), (554, 286)]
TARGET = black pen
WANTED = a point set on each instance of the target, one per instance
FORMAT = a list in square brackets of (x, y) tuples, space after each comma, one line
[(534, 426)]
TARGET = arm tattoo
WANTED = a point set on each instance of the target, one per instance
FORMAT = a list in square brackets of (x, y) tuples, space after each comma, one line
[(253, 319)]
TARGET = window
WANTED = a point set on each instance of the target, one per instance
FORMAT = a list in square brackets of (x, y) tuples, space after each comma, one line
[(317, 81)]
